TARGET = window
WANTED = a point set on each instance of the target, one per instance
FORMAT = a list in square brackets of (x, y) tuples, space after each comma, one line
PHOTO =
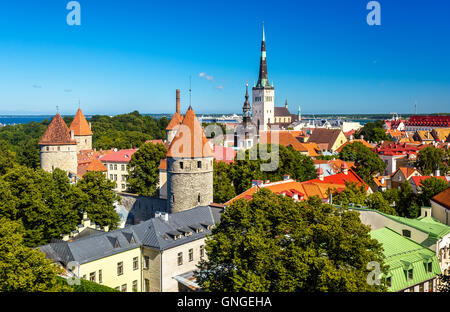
[(146, 262), (199, 164), (92, 277), (123, 186), (115, 167), (111, 177), (147, 285), (100, 276), (410, 274), (202, 251), (389, 281), (180, 258), (59, 148), (111, 167), (48, 148), (134, 287), (120, 268), (173, 198), (123, 168), (406, 233), (198, 199), (124, 287), (191, 255), (430, 267), (421, 287), (115, 177), (181, 165), (135, 263)]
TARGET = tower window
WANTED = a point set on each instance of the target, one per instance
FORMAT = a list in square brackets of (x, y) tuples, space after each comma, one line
[(181, 165), (198, 198), (199, 164)]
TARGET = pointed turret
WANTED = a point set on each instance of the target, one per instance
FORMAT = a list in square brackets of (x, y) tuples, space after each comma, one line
[(57, 133), (263, 79), (58, 147), (82, 131)]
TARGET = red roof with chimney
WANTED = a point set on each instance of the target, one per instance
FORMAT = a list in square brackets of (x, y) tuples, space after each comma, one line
[(57, 133), (190, 141), (122, 156), (79, 125), (341, 178), (175, 121)]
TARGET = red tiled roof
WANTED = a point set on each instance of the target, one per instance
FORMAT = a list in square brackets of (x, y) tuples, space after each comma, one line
[(443, 198), (406, 171), (286, 139), (57, 133), (122, 156), (79, 125), (341, 178), (429, 121), (190, 141)]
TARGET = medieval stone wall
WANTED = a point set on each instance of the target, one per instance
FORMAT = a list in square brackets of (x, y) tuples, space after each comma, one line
[(189, 183), (63, 157), (84, 142)]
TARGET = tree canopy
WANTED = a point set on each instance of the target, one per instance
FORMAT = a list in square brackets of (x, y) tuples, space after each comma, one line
[(366, 161), (143, 172), (430, 159), (23, 269), (373, 132), (273, 244)]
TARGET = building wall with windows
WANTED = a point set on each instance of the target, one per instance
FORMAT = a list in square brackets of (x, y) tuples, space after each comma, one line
[(109, 270), (117, 172)]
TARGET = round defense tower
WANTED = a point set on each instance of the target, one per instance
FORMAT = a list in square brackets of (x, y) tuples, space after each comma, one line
[(189, 183), (63, 157)]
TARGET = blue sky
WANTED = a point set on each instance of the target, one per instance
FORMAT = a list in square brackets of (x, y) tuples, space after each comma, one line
[(132, 55)]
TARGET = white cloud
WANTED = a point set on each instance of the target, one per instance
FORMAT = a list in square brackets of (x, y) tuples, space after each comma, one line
[(219, 87)]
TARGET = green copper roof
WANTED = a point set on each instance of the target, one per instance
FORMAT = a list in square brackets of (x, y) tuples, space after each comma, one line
[(403, 254), (427, 224)]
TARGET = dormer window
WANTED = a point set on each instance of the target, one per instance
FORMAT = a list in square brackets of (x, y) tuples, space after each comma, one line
[(116, 245), (410, 274), (430, 267), (406, 233), (389, 281)]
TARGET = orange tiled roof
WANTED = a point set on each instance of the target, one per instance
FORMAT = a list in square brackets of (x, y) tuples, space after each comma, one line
[(163, 164), (407, 172), (57, 133), (284, 138), (190, 141), (443, 198), (174, 122), (96, 165), (80, 125), (378, 179)]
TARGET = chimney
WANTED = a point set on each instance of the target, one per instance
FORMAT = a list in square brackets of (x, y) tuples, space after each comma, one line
[(286, 177), (178, 102), (319, 173), (344, 168), (425, 212)]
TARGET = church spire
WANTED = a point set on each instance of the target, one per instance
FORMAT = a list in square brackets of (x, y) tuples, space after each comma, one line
[(246, 109), (263, 80)]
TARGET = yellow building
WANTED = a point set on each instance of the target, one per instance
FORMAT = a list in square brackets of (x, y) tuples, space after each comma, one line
[(144, 257)]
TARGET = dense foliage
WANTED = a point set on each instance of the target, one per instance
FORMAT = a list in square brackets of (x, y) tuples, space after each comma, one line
[(49, 206), (274, 244), (23, 269), (143, 172), (373, 132), (367, 163), (430, 159)]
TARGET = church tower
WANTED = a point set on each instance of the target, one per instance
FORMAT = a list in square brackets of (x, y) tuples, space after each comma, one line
[(58, 147), (82, 131), (245, 132), (189, 167), (263, 94)]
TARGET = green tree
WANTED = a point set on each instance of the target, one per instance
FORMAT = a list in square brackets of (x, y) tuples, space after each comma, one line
[(46, 203), (373, 132), (6, 157), (352, 194), (23, 269), (430, 159), (407, 205), (222, 183), (100, 199), (143, 172), (367, 163), (429, 188), (273, 244), (28, 153), (376, 201)]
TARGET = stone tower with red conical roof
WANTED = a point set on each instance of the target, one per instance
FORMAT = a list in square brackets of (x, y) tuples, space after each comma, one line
[(82, 132), (189, 167), (58, 147)]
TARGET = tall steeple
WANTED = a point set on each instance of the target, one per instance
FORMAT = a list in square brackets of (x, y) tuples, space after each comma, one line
[(263, 79), (246, 109)]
